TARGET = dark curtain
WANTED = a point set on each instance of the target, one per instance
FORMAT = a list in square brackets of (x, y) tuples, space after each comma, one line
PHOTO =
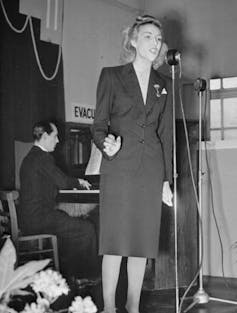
[(25, 96)]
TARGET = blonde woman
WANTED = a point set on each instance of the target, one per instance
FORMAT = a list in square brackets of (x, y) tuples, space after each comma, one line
[(133, 130)]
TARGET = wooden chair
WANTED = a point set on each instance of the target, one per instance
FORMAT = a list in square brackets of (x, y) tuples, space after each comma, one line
[(30, 247), (21, 149)]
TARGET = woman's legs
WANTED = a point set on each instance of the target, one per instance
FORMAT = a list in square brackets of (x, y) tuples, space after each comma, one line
[(136, 269), (110, 275)]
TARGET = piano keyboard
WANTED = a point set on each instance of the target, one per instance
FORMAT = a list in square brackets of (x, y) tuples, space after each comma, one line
[(83, 191)]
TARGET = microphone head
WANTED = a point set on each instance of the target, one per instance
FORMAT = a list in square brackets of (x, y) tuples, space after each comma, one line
[(200, 84), (173, 57)]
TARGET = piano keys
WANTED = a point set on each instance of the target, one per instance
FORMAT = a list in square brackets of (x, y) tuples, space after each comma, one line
[(82, 195), (78, 196)]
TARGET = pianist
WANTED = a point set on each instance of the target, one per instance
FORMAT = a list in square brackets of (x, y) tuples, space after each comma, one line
[(40, 180)]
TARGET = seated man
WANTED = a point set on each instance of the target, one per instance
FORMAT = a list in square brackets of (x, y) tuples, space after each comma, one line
[(40, 180)]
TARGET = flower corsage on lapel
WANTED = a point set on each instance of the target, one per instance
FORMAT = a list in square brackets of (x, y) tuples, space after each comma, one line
[(157, 89)]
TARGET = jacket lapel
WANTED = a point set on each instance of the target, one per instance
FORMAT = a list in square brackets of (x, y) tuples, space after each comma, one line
[(131, 84)]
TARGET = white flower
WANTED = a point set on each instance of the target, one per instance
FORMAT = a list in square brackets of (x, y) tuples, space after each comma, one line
[(80, 305), (34, 308), (50, 284), (41, 306), (89, 306), (76, 305)]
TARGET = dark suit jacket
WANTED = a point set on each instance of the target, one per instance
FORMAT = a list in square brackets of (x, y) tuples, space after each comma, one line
[(146, 130), (40, 180)]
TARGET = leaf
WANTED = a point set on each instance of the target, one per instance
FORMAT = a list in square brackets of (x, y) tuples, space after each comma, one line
[(6, 309), (10, 279), (19, 292), (23, 275), (7, 262)]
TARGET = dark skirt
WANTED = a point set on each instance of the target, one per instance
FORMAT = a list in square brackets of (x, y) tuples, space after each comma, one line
[(130, 212)]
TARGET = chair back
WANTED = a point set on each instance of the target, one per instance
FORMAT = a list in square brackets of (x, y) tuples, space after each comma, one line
[(21, 150), (1, 207), (11, 197)]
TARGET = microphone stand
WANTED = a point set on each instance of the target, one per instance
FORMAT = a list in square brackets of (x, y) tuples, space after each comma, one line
[(201, 296), (173, 58)]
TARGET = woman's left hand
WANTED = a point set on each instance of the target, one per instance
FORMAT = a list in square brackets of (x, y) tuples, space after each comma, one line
[(167, 195), (112, 145), (84, 183)]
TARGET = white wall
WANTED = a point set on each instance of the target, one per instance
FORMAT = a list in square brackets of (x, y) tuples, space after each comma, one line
[(92, 39), (204, 31), (221, 158)]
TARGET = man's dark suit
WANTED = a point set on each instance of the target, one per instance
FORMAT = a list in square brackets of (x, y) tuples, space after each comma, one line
[(40, 180)]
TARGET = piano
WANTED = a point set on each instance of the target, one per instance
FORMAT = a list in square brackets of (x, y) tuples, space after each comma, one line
[(82, 195)]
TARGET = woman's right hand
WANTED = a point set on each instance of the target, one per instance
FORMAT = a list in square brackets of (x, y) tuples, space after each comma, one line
[(112, 145)]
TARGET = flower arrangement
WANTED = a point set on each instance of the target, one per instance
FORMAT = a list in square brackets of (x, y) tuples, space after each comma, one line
[(48, 285)]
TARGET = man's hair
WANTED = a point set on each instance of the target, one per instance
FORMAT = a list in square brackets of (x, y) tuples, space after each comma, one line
[(41, 127)]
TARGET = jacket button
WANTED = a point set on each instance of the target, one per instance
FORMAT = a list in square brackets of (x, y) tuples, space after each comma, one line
[(143, 125), (141, 141)]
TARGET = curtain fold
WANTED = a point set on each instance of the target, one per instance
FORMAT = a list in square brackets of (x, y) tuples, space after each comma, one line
[(25, 96)]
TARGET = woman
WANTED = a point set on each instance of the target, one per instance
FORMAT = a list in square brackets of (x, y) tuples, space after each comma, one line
[(133, 130)]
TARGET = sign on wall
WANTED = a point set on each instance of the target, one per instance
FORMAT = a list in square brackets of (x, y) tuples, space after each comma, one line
[(82, 113)]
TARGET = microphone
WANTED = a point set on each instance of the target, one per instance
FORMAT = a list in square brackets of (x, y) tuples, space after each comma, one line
[(173, 57), (200, 84)]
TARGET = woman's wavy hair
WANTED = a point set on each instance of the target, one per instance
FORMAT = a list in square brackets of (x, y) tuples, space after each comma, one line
[(128, 53)]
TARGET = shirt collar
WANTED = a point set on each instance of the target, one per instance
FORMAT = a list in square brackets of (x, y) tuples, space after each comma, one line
[(38, 145)]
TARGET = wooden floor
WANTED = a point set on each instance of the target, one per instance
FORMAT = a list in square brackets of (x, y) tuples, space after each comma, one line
[(153, 301), (163, 301), (158, 301)]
